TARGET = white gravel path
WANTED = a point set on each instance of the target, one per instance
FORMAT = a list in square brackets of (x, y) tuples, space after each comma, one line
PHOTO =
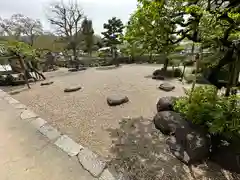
[(84, 115)]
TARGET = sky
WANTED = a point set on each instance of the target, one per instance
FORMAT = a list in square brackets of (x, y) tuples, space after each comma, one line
[(97, 10)]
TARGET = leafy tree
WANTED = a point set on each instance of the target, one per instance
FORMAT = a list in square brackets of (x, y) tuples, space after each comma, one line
[(24, 53), (149, 28), (113, 34), (208, 22)]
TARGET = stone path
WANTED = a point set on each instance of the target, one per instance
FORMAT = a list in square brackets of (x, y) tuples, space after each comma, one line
[(32, 149)]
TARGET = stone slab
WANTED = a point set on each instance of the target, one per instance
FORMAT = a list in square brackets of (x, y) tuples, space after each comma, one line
[(19, 106), (91, 162), (49, 131), (27, 114), (11, 100), (107, 175), (38, 123), (68, 145)]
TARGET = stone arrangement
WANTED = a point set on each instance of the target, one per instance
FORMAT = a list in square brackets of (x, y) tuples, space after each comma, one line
[(191, 143), (186, 142)]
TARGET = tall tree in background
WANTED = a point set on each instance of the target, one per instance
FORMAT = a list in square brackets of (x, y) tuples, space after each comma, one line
[(67, 19), (88, 33), (113, 34), (20, 27)]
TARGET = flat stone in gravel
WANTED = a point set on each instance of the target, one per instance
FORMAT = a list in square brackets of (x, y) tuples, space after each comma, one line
[(38, 123), (107, 175), (91, 162), (27, 114), (68, 145), (50, 132)]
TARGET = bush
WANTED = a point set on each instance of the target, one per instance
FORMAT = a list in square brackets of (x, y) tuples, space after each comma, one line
[(218, 114)]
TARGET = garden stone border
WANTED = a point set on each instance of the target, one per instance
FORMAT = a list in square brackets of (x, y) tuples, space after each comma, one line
[(88, 160)]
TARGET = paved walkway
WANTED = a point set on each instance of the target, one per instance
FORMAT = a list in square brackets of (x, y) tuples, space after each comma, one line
[(25, 154)]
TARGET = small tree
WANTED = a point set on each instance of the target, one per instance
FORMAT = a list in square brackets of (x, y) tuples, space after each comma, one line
[(23, 53), (112, 36), (67, 19)]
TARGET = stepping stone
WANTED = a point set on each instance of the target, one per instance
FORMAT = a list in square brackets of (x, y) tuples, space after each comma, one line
[(72, 89), (166, 87), (116, 100), (46, 83)]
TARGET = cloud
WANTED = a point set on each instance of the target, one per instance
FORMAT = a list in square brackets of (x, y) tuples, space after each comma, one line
[(97, 10)]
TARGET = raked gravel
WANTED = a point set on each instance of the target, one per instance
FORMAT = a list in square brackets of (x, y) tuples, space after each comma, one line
[(84, 115)]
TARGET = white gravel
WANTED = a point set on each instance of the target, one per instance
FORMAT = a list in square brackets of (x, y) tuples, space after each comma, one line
[(84, 115)]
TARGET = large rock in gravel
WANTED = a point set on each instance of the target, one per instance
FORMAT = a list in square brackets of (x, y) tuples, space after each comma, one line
[(166, 103), (116, 100), (228, 157), (166, 87), (158, 77), (168, 121), (157, 72), (189, 145)]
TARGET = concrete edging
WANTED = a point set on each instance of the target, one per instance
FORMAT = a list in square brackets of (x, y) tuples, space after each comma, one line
[(91, 162)]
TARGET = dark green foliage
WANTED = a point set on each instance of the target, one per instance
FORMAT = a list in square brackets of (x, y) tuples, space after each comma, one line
[(114, 29), (217, 113)]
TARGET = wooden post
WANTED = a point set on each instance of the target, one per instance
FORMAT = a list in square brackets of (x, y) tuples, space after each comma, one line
[(22, 64)]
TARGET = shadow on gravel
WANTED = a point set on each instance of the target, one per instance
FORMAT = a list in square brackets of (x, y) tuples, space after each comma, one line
[(140, 153)]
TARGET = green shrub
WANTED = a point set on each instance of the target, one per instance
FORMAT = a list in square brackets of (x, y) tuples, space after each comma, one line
[(217, 113)]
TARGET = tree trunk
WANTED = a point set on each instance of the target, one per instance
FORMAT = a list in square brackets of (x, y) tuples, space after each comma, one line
[(22, 64), (230, 80), (165, 66), (195, 79), (74, 49), (184, 69), (192, 52)]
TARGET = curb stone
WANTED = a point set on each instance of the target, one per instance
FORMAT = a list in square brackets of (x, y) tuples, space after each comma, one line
[(19, 106), (11, 100), (90, 161), (27, 114), (50, 132), (38, 123), (107, 175), (68, 145)]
